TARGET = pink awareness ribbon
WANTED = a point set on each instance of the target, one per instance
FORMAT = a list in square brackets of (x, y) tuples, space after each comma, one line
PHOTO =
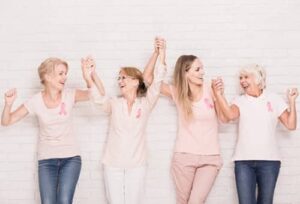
[(138, 114), (269, 106), (62, 109), (208, 104)]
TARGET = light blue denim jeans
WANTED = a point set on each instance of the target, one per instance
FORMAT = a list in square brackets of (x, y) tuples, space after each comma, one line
[(58, 179)]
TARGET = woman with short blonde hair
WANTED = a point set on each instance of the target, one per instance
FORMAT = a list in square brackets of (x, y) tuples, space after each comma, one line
[(59, 161)]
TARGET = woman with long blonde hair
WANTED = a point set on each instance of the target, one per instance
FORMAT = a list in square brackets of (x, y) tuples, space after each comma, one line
[(196, 159)]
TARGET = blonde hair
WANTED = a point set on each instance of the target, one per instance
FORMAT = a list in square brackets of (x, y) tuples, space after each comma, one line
[(48, 66), (135, 73), (181, 84), (257, 71)]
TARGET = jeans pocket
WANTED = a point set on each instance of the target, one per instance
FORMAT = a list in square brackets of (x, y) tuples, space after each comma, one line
[(76, 159), (45, 162)]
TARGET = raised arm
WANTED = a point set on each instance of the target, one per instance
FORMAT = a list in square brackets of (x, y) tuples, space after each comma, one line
[(159, 52), (224, 110), (218, 110), (148, 71), (161, 44), (96, 92), (9, 117), (91, 78), (289, 118)]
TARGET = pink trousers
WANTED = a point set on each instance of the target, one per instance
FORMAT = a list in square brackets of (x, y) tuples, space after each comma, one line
[(194, 176)]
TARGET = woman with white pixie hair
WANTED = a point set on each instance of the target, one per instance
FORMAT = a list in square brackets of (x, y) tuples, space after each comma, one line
[(256, 156)]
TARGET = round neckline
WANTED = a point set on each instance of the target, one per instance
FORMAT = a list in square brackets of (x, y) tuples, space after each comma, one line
[(260, 97), (44, 104), (202, 96)]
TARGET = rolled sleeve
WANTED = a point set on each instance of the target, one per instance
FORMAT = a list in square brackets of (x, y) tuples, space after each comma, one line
[(154, 89), (97, 98)]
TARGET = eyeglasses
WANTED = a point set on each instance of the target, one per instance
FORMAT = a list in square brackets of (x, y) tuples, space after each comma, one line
[(124, 78)]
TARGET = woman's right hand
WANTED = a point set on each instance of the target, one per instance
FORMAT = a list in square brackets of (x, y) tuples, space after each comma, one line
[(88, 66), (10, 96)]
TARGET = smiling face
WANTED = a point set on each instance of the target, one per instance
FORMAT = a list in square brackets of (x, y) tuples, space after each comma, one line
[(57, 78), (53, 73), (248, 83), (195, 74), (127, 84), (252, 79)]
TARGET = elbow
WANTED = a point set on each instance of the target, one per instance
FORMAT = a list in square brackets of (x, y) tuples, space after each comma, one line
[(291, 128), (5, 123), (223, 119), (102, 93), (148, 79), (230, 117), (290, 125)]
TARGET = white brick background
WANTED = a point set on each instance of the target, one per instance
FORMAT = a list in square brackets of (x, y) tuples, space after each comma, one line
[(223, 33)]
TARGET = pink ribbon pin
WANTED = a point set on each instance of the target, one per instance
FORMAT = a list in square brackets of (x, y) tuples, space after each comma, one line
[(208, 104), (138, 114), (62, 109), (269, 106)]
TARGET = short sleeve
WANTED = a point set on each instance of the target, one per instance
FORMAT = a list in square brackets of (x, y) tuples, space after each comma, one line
[(70, 94), (30, 104), (103, 101), (237, 101), (280, 104)]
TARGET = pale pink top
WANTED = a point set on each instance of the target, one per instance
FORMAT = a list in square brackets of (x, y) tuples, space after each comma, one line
[(56, 135), (257, 126), (126, 142), (200, 134)]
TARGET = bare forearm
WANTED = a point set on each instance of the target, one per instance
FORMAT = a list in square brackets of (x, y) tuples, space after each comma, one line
[(220, 113), (89, 83), (149, 69), (6, 115), (97, 81), (224, 107), (292, 117)]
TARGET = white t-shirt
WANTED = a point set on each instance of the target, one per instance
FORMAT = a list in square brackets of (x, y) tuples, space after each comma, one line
[(257, 126), (56, 135)]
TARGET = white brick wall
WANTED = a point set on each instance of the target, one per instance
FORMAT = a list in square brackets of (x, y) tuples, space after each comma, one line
[(223, 33)]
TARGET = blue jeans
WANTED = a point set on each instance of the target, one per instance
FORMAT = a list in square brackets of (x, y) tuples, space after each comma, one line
[(58, 179), (250, 173)]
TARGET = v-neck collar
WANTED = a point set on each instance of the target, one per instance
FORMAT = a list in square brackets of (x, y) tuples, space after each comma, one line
[(133, 108)]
